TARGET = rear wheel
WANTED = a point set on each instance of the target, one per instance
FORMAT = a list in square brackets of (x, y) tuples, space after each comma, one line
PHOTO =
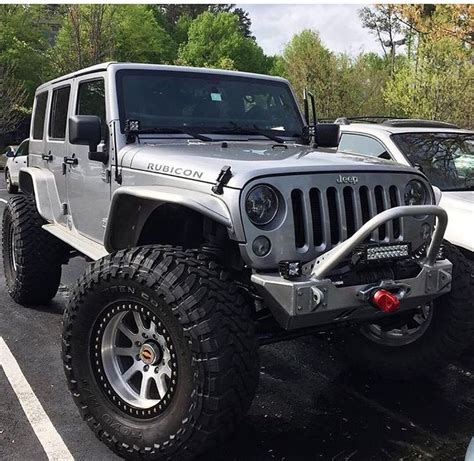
[(159, 352), (11, 188), (426, 340), (32, 258)]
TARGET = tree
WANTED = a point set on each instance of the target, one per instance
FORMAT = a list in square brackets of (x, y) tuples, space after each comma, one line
[(437, 85), (384, 23), (13, 98), (214, 39), (139, 38), (176, 18), (85, 38), (92, 34), (308, 63), (24, 44)]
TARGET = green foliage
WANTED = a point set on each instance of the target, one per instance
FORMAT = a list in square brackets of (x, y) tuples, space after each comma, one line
[(138, 37), (91, 34), (217, 38), (431, 77), (24, 44), (435, 85)]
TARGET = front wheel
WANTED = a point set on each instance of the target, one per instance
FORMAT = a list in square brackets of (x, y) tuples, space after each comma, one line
[(159, 352), (426, 340)]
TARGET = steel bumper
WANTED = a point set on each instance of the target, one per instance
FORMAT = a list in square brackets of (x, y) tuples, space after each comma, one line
[(314, 299)]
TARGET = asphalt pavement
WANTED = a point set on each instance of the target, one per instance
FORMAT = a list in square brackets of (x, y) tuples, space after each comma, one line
[(309, 406)]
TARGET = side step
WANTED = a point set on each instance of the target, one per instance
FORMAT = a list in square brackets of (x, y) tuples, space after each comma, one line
[(82, 244)]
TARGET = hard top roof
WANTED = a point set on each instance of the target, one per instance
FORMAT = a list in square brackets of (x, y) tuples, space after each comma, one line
[(128, 65)]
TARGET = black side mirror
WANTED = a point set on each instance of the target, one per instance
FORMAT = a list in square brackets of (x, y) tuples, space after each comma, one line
[(327, 135), (86, 130)]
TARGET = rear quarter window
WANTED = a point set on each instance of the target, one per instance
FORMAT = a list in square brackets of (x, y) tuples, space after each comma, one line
[(58, 117), (39, 115)]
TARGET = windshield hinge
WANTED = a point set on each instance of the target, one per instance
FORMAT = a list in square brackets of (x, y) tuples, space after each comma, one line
[(223, 178)]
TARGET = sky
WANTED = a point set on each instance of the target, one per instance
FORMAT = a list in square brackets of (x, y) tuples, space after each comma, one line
[(338, 25)]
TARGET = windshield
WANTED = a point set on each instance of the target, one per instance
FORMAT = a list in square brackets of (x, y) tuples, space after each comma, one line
[(447, 159), (207, 103)]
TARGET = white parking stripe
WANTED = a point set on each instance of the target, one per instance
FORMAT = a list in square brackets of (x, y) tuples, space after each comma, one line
[(50, 440), (3, 200)]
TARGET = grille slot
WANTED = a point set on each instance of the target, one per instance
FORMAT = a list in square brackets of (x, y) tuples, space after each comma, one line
[(298, 217), (338, 212), (316, 216)]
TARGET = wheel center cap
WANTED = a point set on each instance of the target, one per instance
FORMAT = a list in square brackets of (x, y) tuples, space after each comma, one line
[(150, 353)]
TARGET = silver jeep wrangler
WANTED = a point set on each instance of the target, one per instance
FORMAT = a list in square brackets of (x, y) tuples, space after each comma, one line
[(217, 219)]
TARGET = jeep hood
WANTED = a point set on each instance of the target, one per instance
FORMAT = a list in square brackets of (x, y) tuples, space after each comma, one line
[(248, 160)]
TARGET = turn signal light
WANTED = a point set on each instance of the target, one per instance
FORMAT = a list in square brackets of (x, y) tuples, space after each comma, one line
[(385, 301)]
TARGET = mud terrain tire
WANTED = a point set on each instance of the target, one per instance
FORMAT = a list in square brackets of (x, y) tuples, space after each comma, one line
[(32, 257), (201, 314)]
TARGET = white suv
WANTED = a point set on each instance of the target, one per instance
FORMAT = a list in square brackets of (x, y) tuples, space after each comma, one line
[(15, 161), (443, 152)]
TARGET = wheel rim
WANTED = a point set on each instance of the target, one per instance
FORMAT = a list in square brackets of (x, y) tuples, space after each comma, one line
[(135, 359), (8, 181), (404, 334)]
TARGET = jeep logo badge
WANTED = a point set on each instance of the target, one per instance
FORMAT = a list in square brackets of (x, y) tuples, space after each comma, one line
[(347, 179)]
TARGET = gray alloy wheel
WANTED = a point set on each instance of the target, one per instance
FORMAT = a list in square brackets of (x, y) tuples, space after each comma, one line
[(137, 357)]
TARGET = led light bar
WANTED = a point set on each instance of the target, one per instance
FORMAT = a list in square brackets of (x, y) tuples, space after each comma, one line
[(381, 252)]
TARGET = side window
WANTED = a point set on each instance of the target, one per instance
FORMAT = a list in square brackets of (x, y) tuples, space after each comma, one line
[(91, 101), (58, 117), (360, 144), (38, 118), (23, 149)]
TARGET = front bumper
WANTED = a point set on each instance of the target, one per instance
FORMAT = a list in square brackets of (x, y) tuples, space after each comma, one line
[(314, 299)]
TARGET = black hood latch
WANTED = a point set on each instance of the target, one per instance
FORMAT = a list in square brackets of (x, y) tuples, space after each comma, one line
[(223, 178)]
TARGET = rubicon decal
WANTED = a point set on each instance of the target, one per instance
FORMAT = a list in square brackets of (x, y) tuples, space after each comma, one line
[(160, 168)]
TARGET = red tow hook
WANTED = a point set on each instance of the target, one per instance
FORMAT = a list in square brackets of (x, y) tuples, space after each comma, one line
[(385, 301)]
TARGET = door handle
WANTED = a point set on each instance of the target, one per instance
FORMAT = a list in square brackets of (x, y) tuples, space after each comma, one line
[(48, 157), (71, 160)]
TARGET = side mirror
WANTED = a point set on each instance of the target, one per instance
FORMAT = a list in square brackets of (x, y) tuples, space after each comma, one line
[(327, 135), (10, 153), (86, 130)]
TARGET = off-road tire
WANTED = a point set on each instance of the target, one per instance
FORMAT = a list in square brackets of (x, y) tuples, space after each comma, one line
[(11, 188), (449, 333), (212, 328), (38, 255)]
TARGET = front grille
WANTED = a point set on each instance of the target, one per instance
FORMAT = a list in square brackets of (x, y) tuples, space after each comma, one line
[(336, 213)]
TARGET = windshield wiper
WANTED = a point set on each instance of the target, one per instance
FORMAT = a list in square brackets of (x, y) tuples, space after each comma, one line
[(175, 131), (252, 131)]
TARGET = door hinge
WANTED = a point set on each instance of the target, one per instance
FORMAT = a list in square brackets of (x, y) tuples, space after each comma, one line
[(65, 209), (106, 175)]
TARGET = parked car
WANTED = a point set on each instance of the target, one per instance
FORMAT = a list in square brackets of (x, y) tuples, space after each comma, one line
[(15, 161), (216, 226), (4, 155), (442, 151)]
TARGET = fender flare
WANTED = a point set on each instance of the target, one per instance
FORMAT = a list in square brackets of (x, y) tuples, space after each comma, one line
[(42, 184), (132, 205)]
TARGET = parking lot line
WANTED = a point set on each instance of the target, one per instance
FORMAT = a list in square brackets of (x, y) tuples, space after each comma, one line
[(47, 435), (3, 200)]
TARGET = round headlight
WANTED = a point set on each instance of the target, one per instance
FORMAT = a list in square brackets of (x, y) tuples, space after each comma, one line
[(261, 205), (416, 193)]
